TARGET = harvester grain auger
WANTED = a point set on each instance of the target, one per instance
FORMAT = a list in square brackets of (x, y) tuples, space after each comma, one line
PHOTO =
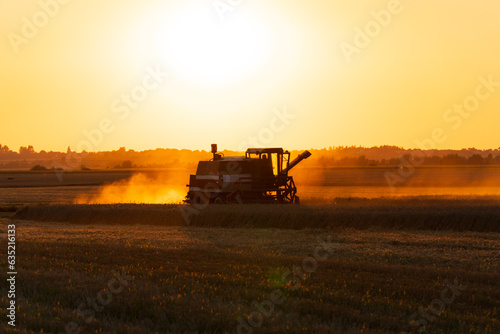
[(261, 176)]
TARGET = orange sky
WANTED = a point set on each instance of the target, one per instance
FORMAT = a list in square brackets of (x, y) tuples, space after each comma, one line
[(92, 74)]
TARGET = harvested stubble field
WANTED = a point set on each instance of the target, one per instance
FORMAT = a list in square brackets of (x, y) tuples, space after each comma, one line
[(481, 214), (373, 276)]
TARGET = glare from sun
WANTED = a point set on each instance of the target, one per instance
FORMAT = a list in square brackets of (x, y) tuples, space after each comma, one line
[(203, 49)]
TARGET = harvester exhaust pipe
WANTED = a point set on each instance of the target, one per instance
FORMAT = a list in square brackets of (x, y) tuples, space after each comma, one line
[(214, 150), (297, 160)]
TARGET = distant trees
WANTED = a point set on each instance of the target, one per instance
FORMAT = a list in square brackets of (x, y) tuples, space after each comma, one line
[(434, 160), (5, 149), (340, 156), (26, 150), (125, 165), (39, 168)]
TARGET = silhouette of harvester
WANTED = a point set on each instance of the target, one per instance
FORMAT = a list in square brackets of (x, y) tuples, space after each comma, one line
[(261, 176)]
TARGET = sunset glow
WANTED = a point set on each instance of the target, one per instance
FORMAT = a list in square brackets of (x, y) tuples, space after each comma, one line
[(377, 73), (199, 47)]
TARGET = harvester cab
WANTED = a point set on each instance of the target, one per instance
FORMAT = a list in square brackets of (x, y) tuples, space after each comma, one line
[(261, 176)]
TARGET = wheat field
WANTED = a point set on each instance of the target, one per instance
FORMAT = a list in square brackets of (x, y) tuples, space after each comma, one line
[(387, 267)]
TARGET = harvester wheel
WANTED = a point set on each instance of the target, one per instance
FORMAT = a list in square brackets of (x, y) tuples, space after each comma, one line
[(218, 200), (297, 199), (200, 199)]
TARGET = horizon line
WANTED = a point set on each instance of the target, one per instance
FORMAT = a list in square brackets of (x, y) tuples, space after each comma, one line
[(230, 150)]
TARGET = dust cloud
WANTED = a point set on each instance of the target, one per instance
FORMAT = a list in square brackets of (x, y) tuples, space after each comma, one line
[(141, 188)]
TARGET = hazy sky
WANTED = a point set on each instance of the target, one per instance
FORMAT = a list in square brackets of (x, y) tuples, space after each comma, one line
[(92, 74)]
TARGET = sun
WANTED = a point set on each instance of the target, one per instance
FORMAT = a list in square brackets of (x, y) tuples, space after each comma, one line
[(198, 46)]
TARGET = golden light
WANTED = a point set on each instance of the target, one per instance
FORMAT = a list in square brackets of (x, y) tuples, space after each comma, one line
[(198, 46)]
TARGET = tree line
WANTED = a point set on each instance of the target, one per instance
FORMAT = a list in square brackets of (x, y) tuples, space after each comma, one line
[(336, 156)]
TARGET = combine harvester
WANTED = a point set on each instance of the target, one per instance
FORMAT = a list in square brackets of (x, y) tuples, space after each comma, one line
[(261, 176)]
